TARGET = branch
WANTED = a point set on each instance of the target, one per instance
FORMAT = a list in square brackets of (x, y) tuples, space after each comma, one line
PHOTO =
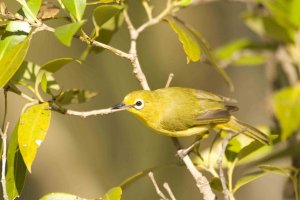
[(85, 114), (168, 189), (3, 180), (201, 181), (170, 78), (227, 194), (158, 191)]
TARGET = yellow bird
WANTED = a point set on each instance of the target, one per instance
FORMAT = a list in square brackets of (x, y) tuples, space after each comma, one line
[(181, 112)]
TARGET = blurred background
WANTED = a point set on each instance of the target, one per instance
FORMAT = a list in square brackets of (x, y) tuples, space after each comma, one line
[(88, 156)]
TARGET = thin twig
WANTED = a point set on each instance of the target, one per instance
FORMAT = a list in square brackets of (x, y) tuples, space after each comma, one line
[(85, 114), (226, 192), (3, 180), (168, 189), (201, 181), (170, 78), (158, 18), (158, 191)]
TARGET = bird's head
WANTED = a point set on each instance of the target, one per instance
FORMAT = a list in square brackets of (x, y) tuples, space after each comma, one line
[(140, 103)]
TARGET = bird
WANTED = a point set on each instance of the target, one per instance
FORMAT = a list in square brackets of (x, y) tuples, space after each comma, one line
[(183, 112)]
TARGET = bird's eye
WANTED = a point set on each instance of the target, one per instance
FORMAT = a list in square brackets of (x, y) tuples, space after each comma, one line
[(139, 104)]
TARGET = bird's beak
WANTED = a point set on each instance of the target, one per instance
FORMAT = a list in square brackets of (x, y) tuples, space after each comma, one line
[(121, 106)]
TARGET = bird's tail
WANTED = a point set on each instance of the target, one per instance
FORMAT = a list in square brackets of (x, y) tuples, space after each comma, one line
[(246, 129)]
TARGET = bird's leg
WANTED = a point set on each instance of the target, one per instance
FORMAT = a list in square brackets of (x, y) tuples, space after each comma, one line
[(183, 152)]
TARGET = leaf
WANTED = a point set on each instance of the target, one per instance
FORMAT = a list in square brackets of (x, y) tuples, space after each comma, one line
[(284, 171), (44, 83), (75, 7), (107, 31), (27, 76), (104, 13), (15, 33), (267, 26), (34, 6), (33, 126), (113, 194), (287, 109), (48, 10), (232, 150), (247, 179), (285, 12), (61, 196), (66, 32), (216, 184), (227, 51), (183, 3), (16, 169), (12, 60), (208, 53), (190, 44), (249, 149), (75, 96), (56, 64)]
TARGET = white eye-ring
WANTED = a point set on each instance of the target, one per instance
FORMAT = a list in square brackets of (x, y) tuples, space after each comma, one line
[(139, 104)]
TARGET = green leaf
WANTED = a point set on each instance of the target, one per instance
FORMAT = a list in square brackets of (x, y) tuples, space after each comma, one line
[(294, 14), (12, 60), (285, 12), (183, 3), (104, 13), (249, 149), (232, 150), (34, 123), (216, 184), (107, 31), (61, 196), (34, 6), (56, 64), (227, 51), (27, 76), (190, 44), (284, 171), (75, 96), (113, 194), (75, 7), (44, 83), (247, 179), (31, 9), (287, 109), (15, 33), (205, 47), (16, 169), (66, 32), (267, 26)]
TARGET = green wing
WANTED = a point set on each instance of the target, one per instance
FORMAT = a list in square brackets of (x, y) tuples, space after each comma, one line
[(190, 108)]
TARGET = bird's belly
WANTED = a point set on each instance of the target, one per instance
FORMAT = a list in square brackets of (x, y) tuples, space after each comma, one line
[(197, 130)]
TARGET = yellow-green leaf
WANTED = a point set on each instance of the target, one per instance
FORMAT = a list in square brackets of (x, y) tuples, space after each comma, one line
[(61, 196), (248, 178), (16, 169), (34, 123), (75, 7), (190, 44), (75, 96), (66, 32), (56, 64), (113, 194), (104, 13), (287, 109), (12, 60)]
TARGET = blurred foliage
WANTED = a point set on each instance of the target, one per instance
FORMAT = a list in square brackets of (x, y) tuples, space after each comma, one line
[(275, 22)]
